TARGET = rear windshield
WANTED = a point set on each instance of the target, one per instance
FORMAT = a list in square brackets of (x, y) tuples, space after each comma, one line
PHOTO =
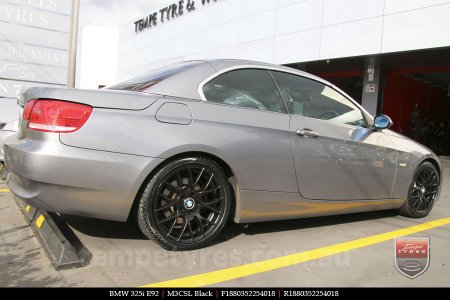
[(145, 81)]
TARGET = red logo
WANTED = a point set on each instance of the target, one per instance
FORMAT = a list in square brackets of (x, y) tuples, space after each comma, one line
[(412, 255)]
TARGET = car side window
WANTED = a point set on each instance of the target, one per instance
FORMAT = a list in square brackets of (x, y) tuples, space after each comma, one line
[(250, 88), (310, 98)]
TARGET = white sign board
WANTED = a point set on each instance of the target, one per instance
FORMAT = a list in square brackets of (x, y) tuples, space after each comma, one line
[(34, 47), (33, 73), (56, 6)]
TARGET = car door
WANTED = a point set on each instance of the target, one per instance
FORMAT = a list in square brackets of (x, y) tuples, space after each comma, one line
[(245, 117), (337, 157)]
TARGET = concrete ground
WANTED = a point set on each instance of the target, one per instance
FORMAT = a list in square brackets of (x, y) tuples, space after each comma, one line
[(121, 256)]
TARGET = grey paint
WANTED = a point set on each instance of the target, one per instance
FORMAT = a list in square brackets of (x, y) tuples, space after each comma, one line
[(98, 170), (409, 156), (352, 157), (97, 98), (54, 177), (174, 113), (259, 206), (255, 143), (3, 136)]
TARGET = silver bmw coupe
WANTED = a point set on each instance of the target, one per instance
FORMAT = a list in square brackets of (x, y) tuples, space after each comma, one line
[(185, 148)]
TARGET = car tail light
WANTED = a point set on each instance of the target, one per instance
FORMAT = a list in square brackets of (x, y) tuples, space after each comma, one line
[(27, 110), (56, 116)]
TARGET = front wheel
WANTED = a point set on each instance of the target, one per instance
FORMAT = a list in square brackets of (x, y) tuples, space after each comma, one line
[(423, 192), (186, 204)]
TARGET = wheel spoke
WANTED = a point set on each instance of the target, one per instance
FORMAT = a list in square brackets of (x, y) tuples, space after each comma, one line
[(208, 221), (209, 182), (174, 216), (165, 197), (176, 220), (418, 203), (190, 230), (164, 207), (429, 180), (200, 225), (183, 230), (210, 191), (215, 201), (172, 227), (172, 187), (191, 177), (179, 181), (212, 209), (198, 177)]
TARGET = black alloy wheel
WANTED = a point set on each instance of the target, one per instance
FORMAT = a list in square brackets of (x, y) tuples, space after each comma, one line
[(186, 204), (423, 192)]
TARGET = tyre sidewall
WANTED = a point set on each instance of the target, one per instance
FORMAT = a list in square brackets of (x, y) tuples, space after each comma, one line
[(408, 208)]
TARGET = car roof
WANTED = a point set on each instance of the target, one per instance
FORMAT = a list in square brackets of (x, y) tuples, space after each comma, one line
[(186, 83), (221, 64)]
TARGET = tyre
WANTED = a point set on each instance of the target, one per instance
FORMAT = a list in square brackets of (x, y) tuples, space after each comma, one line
[(422, 193), (186, 204)]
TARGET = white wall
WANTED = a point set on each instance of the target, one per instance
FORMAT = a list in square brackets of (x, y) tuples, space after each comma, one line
[(286, 31)]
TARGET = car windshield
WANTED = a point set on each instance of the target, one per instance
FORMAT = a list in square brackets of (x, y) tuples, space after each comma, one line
[(143, 82)]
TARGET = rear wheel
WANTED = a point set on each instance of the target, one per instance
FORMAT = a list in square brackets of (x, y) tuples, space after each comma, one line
[(422, 193), (186, 204)]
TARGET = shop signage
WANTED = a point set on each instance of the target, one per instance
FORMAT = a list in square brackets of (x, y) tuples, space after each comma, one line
[(32, 72), (34, 17), (19, 52), (168, 13), (56, 6)]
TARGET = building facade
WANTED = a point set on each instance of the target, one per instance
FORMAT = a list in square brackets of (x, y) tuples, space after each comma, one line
[(34, 49), (393, 56), (284, 31)]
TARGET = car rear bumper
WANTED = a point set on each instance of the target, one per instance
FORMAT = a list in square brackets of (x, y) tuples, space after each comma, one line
[(58, 178)]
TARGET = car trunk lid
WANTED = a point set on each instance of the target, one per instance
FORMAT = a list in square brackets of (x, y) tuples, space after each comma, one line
[(107, 99)]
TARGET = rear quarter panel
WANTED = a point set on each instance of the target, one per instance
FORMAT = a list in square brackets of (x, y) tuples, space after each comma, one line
[(254, 144)]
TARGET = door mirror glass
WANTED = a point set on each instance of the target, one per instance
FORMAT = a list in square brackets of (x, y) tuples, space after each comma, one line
[(382, 122)]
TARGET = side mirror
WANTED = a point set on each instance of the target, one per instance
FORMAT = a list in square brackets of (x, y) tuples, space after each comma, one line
[(382, 122)]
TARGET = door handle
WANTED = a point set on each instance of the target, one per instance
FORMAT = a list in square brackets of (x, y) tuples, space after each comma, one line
[(307, 133)]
